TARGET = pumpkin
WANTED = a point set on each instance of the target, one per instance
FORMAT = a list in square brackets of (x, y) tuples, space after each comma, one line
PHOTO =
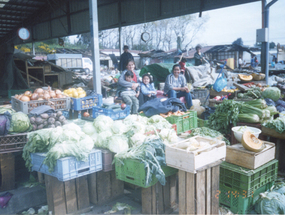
[(258, 77), (251, 142), (245, 77)]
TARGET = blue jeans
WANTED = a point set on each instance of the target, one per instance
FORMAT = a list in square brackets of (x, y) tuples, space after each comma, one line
[(188, 97)]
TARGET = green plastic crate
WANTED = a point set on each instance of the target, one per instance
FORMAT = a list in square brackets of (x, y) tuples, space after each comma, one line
[(14, 92), (240, 178), (185, 122), (133, 172), (239, 201)]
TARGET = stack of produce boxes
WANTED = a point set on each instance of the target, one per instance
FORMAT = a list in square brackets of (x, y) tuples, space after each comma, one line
[(245, 175)]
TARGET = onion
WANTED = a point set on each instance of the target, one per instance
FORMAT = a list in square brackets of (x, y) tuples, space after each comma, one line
[(52, 94), (39, 91), (16, 96), (40, 95), (20, 96), (59, 96), (28, 93), (25, 98), (58, 92), (34, 96), (46, 96)]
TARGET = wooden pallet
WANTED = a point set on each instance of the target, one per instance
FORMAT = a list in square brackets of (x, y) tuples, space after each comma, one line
[(104, 187), (7, 171), (198, 193), (159, 199)]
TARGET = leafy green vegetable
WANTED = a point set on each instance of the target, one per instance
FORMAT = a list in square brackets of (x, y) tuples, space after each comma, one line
[(272, 109), (271, 93), (4, 109), (168, 135), (102, 123), (277, 124), (270, 203), (207, 132), (20, 123), (118, 143), (248, 118), (159, 122), (254, 93), (258, 103), (225, 114), (151, 153)]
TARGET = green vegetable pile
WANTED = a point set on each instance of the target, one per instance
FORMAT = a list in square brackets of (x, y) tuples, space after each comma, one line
[(277, 124), (207, 132), (151, 154), (253, 93), (230, 112), (20, 123), (273, 93)]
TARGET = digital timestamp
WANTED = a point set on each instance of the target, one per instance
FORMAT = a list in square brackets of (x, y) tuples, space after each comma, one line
[(235, 194)]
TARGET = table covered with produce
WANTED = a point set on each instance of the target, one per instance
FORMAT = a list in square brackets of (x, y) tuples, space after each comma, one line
[(225, 156)]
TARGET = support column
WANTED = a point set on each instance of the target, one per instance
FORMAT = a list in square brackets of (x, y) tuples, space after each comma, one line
[(94, 28)]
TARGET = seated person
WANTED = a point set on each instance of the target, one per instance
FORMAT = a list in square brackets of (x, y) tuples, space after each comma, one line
[(176, 86), (129, 96), (147, 88)]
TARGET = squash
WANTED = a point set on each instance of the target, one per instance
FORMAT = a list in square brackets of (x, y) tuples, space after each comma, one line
[(251, 142), (245, 77), (258, 77)]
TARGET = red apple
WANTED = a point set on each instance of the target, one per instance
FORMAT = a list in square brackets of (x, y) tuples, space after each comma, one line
[(123, 106)]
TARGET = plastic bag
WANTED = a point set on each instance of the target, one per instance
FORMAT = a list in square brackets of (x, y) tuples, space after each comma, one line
[(220, 83)]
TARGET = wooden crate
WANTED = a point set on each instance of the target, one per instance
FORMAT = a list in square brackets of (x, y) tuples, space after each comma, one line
[(272, 133), (238, 155), (159, 199), (199, 193), (193, 160), (104, 187), (7, 171)]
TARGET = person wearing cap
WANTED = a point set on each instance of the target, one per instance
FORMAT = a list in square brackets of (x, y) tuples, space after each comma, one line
[(199, 56), (124, 58)]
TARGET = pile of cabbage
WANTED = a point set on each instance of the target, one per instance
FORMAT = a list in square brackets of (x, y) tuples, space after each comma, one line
[(120, 135), (68, 140), (272, 201)]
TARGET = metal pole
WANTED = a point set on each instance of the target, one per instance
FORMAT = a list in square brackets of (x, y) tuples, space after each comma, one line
[(33, 47), (266, 45), (93, 14)]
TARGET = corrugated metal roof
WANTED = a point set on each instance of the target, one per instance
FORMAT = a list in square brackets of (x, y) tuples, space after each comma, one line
[(47, 19)]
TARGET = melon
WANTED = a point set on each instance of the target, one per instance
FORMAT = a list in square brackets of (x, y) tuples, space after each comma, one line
[(258, 77), (245, 77), (251, 142)]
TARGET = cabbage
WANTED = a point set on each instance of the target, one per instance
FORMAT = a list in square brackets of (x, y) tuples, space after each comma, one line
[(137, 139), (271, 93), (94, 137), (118, 127), (118, 143), (102, 123), (168, 135), (20, 123), (102, 139), (129, 120), (159, 122), (270, 203), (88, 128)]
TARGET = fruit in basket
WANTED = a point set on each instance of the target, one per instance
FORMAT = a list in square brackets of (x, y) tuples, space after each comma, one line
[(75, 93), (251, 142), (245, 77), (86, 114)]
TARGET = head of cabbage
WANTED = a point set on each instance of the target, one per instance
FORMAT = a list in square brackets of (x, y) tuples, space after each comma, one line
[(273, 93), (102, 123), (20, 123)]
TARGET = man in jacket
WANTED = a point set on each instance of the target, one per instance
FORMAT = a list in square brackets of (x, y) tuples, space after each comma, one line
[(124, 58)]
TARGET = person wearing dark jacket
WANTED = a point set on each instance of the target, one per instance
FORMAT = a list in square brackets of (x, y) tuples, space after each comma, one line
[(124, 58), (199, 56)]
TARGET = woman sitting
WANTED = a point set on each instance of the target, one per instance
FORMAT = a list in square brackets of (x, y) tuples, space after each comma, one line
[(147, 88), (176, 86)]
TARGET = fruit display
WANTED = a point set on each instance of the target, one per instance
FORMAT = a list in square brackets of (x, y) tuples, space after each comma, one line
[(75, 92), (40, 94)]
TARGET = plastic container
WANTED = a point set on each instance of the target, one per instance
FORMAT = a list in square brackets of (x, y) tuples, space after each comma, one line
[(239, 201), (134, 172), (14, 92), (107, 157), (119, 114), (240, 178), (239, 130), (13, 143), (26, 107), (68, 168), (185, 122), (87, 102), (201, 94)]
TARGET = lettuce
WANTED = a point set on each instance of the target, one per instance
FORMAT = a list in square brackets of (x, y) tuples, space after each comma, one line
[(271, 93), (102, 123), (118, 143), (88, 128), (20, 123)]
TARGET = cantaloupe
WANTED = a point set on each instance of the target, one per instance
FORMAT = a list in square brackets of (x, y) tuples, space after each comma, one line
[(251, 142), (258, 77), (245, 77)]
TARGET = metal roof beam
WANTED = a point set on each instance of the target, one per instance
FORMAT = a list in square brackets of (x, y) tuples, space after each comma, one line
[(19, 4), (21, 14), (17, 10)]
